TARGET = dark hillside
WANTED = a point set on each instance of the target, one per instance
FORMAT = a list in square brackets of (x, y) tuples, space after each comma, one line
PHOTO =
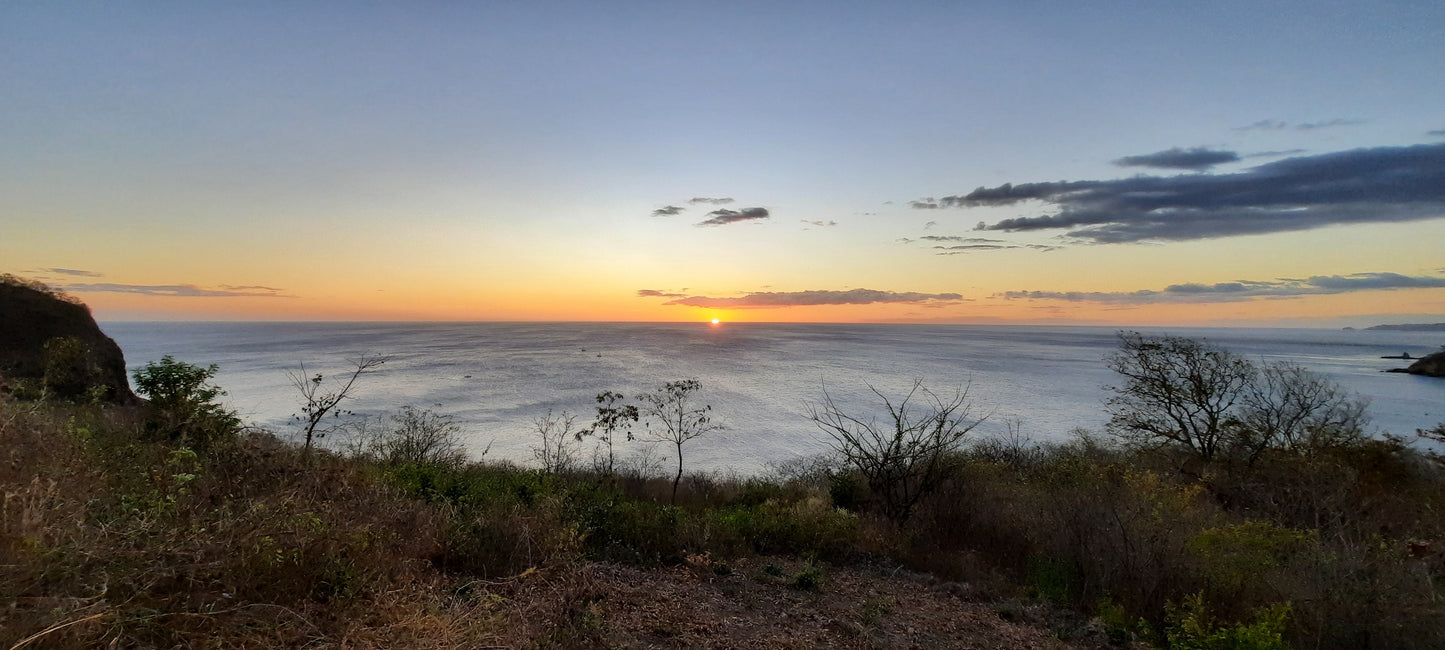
[(32, 315)]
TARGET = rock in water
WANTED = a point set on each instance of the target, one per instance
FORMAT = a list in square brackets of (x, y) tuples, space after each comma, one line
[(32, 316), (1430, 365)]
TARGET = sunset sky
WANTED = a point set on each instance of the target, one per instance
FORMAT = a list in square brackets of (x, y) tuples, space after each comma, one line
[(1210, 163)]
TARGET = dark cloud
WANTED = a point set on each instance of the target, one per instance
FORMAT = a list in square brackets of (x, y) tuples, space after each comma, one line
[(75, 272), (929, 203), (1243, 290), (668, 211), (1328, 124), (930, 225), (702, 199), (1197, 159), (725, 216), (180, 290), (775, 299), (654, 293), (823, 224), (1379, 185), (1439, 133)]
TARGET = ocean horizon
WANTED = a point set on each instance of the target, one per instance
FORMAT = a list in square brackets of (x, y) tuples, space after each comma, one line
[(496, 378)]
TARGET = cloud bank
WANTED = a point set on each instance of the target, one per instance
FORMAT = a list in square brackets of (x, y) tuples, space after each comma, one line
[(1197, 159), (777, 299), (180, 290), (1378, 185), (725, 216), (1242, 290)]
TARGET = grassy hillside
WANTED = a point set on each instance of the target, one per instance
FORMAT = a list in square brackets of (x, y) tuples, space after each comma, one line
[(167, 524)]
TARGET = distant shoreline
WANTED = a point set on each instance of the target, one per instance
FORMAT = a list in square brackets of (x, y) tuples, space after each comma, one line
[(1410, 327)]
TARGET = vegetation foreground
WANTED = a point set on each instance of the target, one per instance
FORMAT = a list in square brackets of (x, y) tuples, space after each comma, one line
[(1233, 506)]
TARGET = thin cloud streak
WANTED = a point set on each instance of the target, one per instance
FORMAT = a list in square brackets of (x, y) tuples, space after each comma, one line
[(780, 299), (75, 273), (1328, 124), (1197, 159), (1379, 185), (668, 211), (180, 290), (1242, 290)]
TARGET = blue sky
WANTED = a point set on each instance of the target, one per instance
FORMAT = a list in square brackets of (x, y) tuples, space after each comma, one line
[(511, 156)]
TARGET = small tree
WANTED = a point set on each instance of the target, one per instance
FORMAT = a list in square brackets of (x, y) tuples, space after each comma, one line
[(556, 453), (671, 417), (612, 418), (183, 402), (908, 459), (317, 403), (1179, 391)]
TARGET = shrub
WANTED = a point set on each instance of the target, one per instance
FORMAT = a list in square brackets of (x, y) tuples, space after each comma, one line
[(419, 436), (1191, 628), (70, 372), (904, 462), (183, 402)]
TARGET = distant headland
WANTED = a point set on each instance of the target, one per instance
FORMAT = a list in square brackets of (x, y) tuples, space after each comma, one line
[(1409, 327)]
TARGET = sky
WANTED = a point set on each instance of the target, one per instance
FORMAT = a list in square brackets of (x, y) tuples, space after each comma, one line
[(1129, 163)]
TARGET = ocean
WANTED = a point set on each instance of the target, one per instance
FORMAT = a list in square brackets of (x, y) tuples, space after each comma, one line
[(760, 379)]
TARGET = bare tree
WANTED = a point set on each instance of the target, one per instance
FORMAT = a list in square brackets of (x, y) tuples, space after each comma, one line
[(612, 418), (317, 401), (1179, 391), (1213, 403), (1292, 408), (677, 420), (906, 459), (556, 453)]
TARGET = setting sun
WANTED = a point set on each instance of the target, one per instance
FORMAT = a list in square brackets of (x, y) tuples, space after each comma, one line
[(715, 321)]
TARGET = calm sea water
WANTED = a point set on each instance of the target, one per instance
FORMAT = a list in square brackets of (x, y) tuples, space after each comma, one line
[(760, 379)]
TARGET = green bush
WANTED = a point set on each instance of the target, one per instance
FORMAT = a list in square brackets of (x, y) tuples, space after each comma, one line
[(70, 373), (183, 404), (1191, 628)]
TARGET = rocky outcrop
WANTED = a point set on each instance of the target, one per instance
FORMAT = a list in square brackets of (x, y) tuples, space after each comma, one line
[(1430, 365), (33, 317)]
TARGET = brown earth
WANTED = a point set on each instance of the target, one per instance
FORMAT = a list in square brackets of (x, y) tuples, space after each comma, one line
[(754, 603)]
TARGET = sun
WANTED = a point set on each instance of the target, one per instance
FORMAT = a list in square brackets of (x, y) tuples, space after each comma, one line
[(715, 321)]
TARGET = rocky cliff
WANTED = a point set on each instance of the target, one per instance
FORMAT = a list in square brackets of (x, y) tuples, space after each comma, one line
[(1430, 365), (41, 329)]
